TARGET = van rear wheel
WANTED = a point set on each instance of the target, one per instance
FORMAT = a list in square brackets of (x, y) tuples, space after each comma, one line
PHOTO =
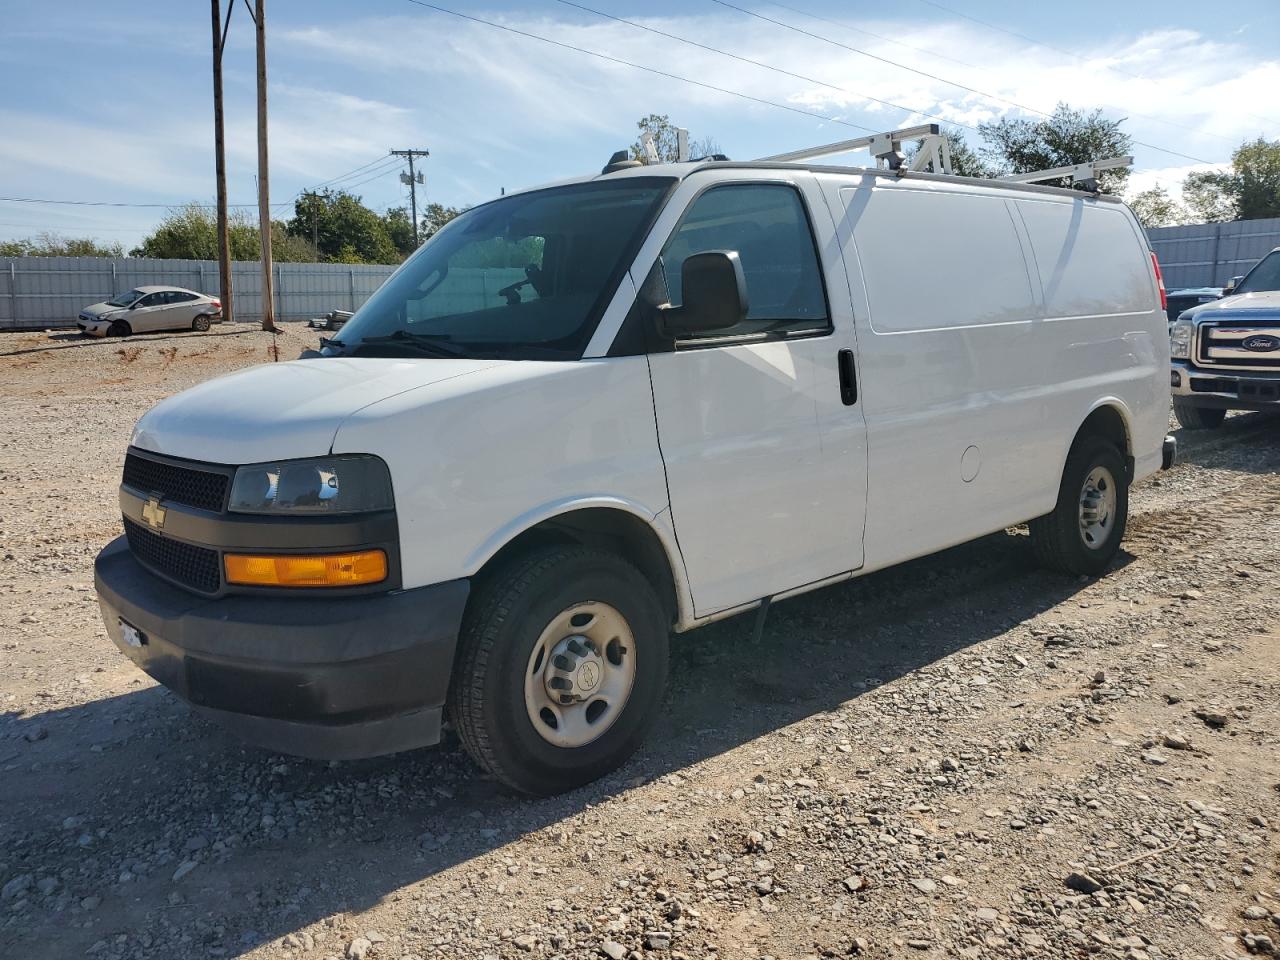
[(1083, 533), (561, 667), (1193, 417)]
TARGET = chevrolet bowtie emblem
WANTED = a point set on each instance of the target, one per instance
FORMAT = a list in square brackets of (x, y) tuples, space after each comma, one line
[(154, 514)]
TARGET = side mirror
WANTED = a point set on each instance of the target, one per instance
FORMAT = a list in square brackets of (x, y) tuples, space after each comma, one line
[(1230, 288), (714, 291)]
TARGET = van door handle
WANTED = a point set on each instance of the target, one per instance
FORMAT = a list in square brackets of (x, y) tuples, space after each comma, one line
[(848, 378)]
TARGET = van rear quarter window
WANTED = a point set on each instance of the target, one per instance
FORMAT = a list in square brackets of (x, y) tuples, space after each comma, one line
[(933, 260), (1089, 258)]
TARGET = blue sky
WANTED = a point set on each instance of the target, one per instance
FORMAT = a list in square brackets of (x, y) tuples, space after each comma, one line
[(112, 102)]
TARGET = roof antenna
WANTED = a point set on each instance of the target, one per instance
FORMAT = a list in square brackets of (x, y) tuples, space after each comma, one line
[(621, 160)]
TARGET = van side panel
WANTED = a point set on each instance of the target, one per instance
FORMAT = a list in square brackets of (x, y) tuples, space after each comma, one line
[(945, 332), (972, 397), (1102, 319)]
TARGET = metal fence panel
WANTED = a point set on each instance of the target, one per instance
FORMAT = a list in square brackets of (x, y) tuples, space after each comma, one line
[(1209, 254), (40, 292)]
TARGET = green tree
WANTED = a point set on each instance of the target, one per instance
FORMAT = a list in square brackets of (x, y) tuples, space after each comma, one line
[(1155, 208), (1067, 137), (1250, 190), (436, 216), (399, 229), (342, 229), (666, 141), (54, 245), (191, 233)]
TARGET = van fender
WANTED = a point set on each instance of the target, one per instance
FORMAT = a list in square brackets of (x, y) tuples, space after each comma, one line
[(659, 523), (1125, 415)]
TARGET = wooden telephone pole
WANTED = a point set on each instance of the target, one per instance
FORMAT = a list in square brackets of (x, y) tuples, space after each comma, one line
[(220, 159), (264, 189)]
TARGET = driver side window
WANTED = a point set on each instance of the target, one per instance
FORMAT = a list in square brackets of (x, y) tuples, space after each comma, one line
[(767, 225)]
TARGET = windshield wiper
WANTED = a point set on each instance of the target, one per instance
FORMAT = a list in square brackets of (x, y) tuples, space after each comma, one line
[(422, 342)]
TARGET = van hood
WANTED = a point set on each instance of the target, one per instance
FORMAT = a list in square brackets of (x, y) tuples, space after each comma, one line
[(284, 410), (1264, 303)]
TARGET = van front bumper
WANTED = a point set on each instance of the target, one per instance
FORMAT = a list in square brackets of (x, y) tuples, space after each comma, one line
[(325, 677), (1225, 389)]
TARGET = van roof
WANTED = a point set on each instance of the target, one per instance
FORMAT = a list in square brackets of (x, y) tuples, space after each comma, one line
[(681, 170)]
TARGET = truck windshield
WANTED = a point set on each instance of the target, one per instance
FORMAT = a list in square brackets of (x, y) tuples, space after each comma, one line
[(1265, 276), (524, 277)]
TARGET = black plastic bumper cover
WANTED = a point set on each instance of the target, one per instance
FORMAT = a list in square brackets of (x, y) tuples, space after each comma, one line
[(316, 676)]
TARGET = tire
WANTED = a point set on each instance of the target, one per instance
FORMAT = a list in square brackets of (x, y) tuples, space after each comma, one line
[(200, 323), (1060, 539), (119, 328), (514, 614), (1193, 417)]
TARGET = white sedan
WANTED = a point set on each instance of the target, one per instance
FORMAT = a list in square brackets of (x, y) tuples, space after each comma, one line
[(145, 309)]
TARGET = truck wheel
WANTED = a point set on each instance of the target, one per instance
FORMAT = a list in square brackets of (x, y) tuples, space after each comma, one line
[(561, 666), (119, 328), (1083, 533), (200, 323), (1198, 418)]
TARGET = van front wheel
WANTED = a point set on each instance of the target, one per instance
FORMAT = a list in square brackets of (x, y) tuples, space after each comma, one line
[(1083, 533), (561, 667)]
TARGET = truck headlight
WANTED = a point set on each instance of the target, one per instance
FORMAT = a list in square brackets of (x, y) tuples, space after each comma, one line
[(324, 485), (1180, 340)]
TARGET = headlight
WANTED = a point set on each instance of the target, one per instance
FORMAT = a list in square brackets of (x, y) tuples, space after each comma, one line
[(1180, 340), (324, 485)]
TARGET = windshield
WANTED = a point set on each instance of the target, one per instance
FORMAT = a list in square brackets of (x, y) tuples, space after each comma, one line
[(125, 299), (524, 277), (1265, 276)]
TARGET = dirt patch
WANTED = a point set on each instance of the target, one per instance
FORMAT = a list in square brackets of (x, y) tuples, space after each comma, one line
[(910, 764)]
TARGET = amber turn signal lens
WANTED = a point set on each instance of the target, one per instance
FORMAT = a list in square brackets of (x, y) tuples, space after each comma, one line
[(293, 570)]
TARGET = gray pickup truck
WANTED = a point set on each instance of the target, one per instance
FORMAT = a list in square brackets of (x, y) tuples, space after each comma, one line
[(1226, 354)]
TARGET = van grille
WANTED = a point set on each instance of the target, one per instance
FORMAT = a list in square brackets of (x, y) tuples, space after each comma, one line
[(185, 563), (202, 489)]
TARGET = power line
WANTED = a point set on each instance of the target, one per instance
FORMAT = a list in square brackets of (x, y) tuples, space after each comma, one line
[(1049, 46), (640, 66), (973, 66), (390, 161), (931, 76), (758, 63)]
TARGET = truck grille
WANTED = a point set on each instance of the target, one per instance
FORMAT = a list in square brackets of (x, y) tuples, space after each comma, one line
[(1222, 345), (185, 563), (192, 486)]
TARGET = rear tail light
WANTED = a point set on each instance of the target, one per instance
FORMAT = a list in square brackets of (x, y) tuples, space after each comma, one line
[(218, 303), (1164, 294)]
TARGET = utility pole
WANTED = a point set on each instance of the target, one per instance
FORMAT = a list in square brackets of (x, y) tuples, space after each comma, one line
[(220, 158), (264, 187), (412, 180)]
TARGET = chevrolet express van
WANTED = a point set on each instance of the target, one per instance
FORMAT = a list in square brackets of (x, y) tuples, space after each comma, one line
[(587, 415)]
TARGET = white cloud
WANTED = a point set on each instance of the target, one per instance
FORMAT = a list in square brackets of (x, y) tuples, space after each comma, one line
[(497, 109)]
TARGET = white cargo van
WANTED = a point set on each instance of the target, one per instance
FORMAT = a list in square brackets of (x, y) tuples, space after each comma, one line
[(585, 415)]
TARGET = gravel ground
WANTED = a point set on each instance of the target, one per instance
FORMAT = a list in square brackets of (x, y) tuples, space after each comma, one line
[(960, 757)]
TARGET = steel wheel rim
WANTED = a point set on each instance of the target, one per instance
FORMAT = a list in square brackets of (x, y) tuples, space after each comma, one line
[(580, 674), (1097, 508)]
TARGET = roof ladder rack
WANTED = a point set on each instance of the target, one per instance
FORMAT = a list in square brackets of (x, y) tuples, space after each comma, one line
[(934, 152), (1084, 176)]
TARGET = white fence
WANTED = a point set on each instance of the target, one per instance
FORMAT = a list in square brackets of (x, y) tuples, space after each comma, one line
[(40, 292), (1210, 254)]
